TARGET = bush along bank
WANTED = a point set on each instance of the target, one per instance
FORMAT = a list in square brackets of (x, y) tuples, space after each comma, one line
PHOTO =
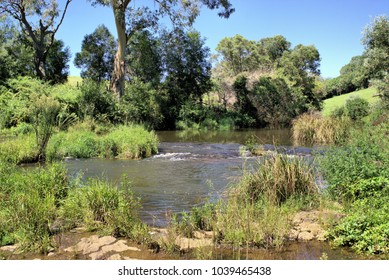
[(34, 206), (358, 176)]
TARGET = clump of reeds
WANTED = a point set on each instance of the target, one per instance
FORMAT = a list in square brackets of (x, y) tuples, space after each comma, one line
[(313, 128), (278, 178)]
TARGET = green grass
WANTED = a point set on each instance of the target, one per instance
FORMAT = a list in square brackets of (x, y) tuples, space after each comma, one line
[(332, 103), (73, 80)]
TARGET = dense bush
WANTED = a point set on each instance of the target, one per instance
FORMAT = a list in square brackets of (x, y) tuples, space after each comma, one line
[(367, 156), (140, 104), (358, 174), (356, 108)]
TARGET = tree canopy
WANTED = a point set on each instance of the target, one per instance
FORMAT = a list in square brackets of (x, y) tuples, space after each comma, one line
[(39, 22)]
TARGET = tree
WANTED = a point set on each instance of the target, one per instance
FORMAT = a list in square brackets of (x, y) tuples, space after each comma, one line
[(40, 36), (376, 41), (57, 63), (97, 55), (142, 17), (241, 55), (186, 70), (301, 66), (144, 58), (275, 47)]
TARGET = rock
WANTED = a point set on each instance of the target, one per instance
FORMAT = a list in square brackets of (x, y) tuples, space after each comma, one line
[(305, 236), (115, 257), (191, 243), (91, 244), (9, 248), (50, 254), (118, 247), (293, 234)]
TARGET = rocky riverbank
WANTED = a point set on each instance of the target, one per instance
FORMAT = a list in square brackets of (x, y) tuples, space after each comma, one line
[(80, 244)]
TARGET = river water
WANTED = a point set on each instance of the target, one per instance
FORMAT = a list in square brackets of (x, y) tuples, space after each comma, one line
[(188, 170), (191, 168)]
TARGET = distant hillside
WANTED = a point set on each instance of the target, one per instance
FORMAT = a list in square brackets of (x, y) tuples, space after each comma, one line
[(73, 80), (338, 101)]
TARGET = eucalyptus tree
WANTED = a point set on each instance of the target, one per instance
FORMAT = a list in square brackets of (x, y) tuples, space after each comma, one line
[(39, 21), (139, 16)]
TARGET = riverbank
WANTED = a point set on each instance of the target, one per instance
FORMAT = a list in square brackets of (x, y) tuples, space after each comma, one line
[(308, 231)]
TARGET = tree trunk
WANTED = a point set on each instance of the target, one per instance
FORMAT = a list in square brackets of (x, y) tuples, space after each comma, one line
[(118, 75)]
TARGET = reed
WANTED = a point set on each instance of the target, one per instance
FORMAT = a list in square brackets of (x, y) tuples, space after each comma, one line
[(313, 128)]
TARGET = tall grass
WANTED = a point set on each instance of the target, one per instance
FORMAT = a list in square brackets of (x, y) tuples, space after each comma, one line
[(36, 204), (257, 211), (21, 149), (128, 142), (29, 203), (99, 205), (312, 128)]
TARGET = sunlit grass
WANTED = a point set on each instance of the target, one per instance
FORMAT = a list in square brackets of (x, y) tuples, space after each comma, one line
[(337, 101)]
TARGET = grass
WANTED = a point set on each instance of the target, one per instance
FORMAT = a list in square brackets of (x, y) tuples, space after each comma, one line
[(125, 142), (257, 211), (74, 80), (311, 129), (35, 205), (332, 103)]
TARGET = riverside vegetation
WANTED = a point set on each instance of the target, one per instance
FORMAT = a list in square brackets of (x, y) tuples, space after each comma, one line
[(44, 122)]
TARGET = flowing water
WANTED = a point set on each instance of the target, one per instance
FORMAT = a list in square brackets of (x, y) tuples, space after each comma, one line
[(188, 170), (193, 167)]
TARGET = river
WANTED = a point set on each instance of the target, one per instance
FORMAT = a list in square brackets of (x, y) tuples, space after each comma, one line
[(189, 169)]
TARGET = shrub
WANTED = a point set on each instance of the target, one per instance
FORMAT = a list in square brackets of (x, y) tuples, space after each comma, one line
[(357, 108), (366, 226), (43, 113), (367, 156)]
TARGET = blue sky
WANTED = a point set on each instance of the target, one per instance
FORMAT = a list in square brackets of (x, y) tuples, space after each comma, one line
[(333, 26)]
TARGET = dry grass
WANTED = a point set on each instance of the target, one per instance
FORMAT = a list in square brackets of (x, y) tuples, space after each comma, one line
[(313, 128)]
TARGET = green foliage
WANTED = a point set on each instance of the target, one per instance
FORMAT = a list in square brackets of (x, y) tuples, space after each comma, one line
[(366, 227), (97, 55), (130, 142), (366, 156), (275, 104), (278, 178), (331, 104), (99, 205), (96, 101), (16, 150), (29, 205), (258, 209), (35, 205), (187, 70), (43, 113), (140, 104), (357, 108)]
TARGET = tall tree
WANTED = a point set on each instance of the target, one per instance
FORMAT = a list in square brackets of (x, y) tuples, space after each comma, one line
[(142, 17), (40, 34), (97, 55), (376, 41), (186, 70)]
